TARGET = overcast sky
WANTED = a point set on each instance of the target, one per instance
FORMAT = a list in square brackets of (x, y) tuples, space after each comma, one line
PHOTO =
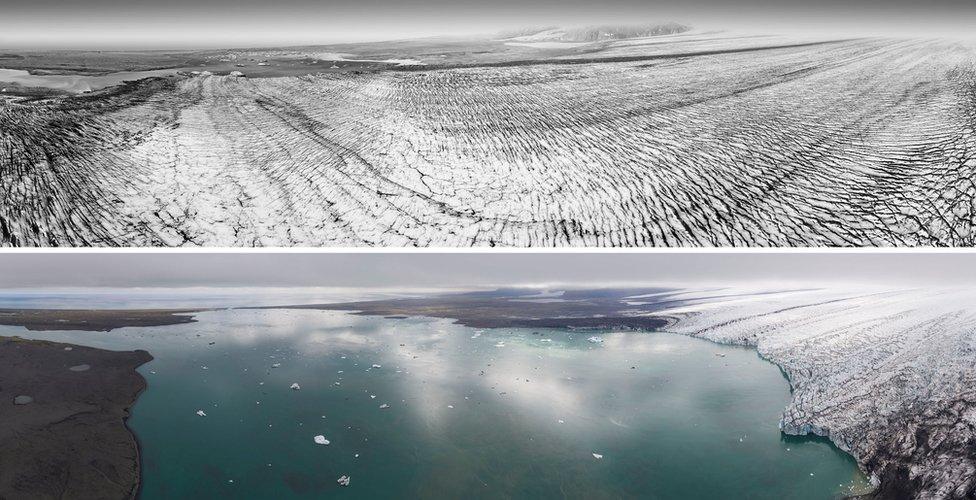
[(426, 270), (223, 23)]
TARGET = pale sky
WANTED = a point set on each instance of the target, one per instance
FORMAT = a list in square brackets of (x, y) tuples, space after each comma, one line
[(453, 270), (132, 24)]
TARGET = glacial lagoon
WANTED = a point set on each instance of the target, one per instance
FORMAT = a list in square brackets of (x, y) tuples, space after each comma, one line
[(419, 407), (76, 82)]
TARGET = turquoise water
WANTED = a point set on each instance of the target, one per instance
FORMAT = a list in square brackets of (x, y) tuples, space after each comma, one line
[(472, 413)]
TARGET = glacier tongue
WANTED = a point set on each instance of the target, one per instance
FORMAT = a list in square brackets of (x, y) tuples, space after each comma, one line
[(887, 375), (858, 142)]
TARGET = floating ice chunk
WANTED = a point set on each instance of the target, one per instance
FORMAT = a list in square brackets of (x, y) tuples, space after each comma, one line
[(597, 456), (595, 340), (377, 366), (276, 365), (23, 400), (80, 368), (201, 413), (561, 421), (69, 348), (546, 340), (344, 480), (450, 406), (384, 406), (320, 439), (372, 396), (295, 386)]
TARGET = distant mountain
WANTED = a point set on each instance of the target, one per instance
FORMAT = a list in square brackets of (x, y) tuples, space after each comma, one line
[(592, 33)]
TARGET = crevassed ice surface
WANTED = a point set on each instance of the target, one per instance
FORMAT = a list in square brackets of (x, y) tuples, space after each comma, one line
[(886, 374), (862, 142)]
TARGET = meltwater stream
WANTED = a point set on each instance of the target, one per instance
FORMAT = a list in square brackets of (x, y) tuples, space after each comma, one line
[(468, 413)]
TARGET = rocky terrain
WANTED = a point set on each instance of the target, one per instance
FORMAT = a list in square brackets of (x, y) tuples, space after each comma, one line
[(63, 409), (692, 139), (887, 375)]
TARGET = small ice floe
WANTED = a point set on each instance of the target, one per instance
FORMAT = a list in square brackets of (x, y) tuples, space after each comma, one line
[(450, 406), (337, 383), (69, 348), (201, 413), (561, 421), (80, 368), (384, 406), (597, 456), (276, 365), (372, 396), (23, 400), (500, 344), (719, 354), (295, 386), (595, 340), (376, 366), (344, 480), (546, 340), (320, 439), (204, 367)]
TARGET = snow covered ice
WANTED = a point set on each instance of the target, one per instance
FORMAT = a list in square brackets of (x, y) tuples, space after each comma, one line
[(854, 142)]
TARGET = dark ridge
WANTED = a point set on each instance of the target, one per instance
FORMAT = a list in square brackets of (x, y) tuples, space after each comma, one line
[(93, 320), (520, 308)]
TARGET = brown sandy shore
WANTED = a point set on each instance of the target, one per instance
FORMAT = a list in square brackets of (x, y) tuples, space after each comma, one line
[(67, 437)]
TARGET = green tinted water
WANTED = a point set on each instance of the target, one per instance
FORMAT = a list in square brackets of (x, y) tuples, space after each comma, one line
[(472, 413)]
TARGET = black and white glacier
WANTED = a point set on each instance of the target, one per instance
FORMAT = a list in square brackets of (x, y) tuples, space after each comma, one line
[(688, 139)]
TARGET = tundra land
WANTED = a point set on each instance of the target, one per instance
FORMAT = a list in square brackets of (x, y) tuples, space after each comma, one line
[(658, 137)]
